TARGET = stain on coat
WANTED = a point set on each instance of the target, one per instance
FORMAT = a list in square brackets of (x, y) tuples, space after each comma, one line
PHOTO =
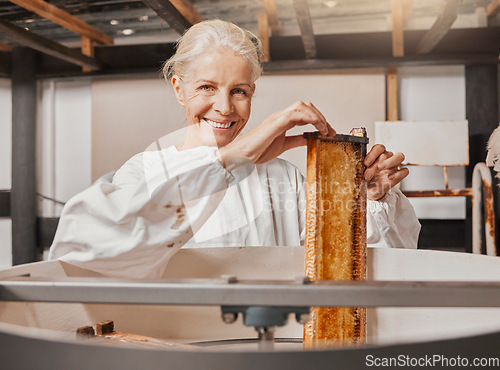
[(180, 218)]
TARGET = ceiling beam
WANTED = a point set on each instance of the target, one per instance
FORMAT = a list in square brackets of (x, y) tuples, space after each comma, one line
[(440, 27), (263, 25), (87, 48), (274, 67), (493, 8), (44, 45), (407, 6), (459, 46), (187, 10), (306, 28), (272, 14), (398, 46), (331, 64), (64, 19), (170, 14), (5, 47)]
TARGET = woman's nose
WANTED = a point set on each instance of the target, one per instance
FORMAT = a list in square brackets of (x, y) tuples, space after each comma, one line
[(223, 103)]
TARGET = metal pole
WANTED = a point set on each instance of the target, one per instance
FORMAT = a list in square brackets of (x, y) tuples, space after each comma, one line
[(207, 292), (23, 195)]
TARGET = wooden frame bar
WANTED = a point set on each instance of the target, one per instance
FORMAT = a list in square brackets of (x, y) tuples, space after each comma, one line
[(438, 193)]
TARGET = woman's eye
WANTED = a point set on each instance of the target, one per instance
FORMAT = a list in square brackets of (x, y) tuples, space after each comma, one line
[(240, 92), (206, 88)]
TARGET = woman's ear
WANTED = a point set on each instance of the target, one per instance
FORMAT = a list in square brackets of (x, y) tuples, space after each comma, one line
[(176, 83)]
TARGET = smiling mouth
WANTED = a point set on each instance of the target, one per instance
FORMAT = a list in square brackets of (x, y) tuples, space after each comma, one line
[(218, 124)]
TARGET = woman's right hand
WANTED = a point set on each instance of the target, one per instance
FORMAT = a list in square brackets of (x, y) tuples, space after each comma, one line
[(268, 140)]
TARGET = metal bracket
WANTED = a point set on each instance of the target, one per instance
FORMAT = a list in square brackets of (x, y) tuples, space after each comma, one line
[(264, 316), (265, 319)]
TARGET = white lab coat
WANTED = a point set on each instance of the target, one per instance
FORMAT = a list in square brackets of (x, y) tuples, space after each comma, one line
[(130, 224)]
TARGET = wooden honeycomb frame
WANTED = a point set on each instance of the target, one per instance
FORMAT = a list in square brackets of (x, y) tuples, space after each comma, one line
[(335, 247)]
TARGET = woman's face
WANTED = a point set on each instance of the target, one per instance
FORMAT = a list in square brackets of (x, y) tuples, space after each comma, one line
[(217, 97)]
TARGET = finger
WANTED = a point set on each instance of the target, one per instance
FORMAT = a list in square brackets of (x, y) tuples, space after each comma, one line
[(380, 161), (304, 114), (370, 172), (376, 168), (377, 190), (331, 131), (321, 117), (398, 176), (316, 110), (321, 127), (373, 154), (393, 161), (387, 154)]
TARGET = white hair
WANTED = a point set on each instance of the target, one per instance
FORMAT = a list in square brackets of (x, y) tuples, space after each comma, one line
[(213, 36)]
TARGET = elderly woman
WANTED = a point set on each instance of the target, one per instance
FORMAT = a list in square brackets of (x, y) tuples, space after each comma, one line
[(216, 188)]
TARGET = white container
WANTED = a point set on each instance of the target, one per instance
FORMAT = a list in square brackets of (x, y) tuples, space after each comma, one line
[(189, 324)]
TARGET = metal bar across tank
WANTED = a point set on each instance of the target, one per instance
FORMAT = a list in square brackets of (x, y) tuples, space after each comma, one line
[(254, 293)]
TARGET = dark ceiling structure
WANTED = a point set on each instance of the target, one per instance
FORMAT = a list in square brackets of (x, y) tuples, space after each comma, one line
[(106, 37)]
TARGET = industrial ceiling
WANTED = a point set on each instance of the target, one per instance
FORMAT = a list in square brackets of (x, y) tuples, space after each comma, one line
[(119, 36)]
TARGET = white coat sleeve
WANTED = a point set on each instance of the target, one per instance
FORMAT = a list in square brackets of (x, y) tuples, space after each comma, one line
[(392, 222), (132, 226)]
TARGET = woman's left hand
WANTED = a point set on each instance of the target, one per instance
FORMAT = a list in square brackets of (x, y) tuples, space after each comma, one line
[(383, 171)]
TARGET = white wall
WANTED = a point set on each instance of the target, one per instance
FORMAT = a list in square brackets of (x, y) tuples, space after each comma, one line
[(63, 148), (347, 99), (63, 142), (5, 134), (433, 93), (5, 168), (129, 115)]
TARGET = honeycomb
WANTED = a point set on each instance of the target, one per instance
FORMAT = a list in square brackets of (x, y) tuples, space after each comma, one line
[(335, 246)]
